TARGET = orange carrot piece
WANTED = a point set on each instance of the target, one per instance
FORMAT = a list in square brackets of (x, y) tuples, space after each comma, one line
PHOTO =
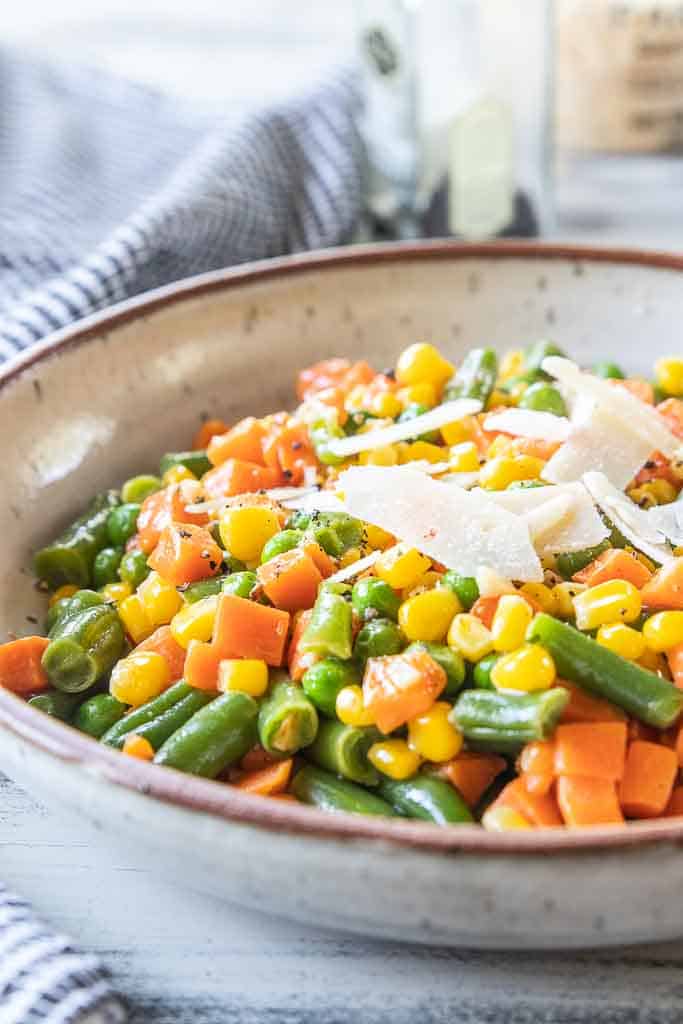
[(335, 398), (164, 507), (535, 447), (243, 442), (287, 449), (326, 565), (138, 746), (671, 410), (641, 389), (245, 629), (593, 749), (290, 580), (256, 759), (538, 809), (585, 801), (211, 428), (675, 659), (328, 373), (537, 766), (400, 686), (665, 589), (482, 438), (20, 667), (614, 564), (201, 666), (649, 776), (164, 643), (582, 707), (636, 730), (674, 808), (657, 467), (186, 553), (267, 781), (234, 476), (472, 774), (297, 660)]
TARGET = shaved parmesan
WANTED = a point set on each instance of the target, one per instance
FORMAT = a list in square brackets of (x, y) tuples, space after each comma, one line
[(668, 519), (279, 494), (492, 584), (560, 519), (449, 412), (464, 480), (463, 530), (628, 517), (349, 571), (529, 423), (315, 501)]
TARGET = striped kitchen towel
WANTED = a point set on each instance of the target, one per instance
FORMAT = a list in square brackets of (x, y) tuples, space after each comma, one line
[(108, 188)]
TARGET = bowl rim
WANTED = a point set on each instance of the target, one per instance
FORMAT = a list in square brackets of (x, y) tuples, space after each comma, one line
[(226, 802)]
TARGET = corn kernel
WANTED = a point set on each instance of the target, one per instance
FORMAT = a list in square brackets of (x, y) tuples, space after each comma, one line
[(139, 677), (377, 538), (455, 433), (469, 636), (654, 492), (542, 596), (423, 393), (564, 594), (356, 399), (115, 593), (176, 474), (678, 552), (432, 736), (503, 819), (67, 590), (498, 398), (160, 599), (195, 621), (669, 375), (401, 567), (500, 472), (613, 601), (663, 631), (138, 746), (427, 581), (423, 451), (622, 640), (385, 455), (510, 622), (402, 449), (464, 457), (386, 405), (394, 758), (135, 619), (350, 708), (512, 364), (501, 445), (427, 616), (528, 668), (423, 362), (350, 556), (244, 531), (248, 675)]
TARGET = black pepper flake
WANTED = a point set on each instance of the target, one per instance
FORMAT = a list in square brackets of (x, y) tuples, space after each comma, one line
[(650, 464), (205, 554), (287, 474), (185, 534), (213, 565), (390, 373), (296, 445)]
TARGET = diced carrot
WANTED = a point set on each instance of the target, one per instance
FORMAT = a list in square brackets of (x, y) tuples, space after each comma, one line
[(538, 809), (163, 642), (472, 774), (237, 477), (165, 507), (674, 808), (290, 580), (671, 410), (650, 773), (360, 374), (400, 686), (675, 659), (201, 666), (657, 467), (287, 449), (665, 589), (20, 667), (535, 447), (582, 707), (593, 749), (326, 565), (482, 438), (537, 766), (267, 781), (328, 373), (585, 801), (614, 564), (678, 746), (297, 660), (245, 629), (485, 607), (243, 442), (335, 398), (138, 746), (185, 554), (210, 429), (640, 731), (641, 389), (256, 759)]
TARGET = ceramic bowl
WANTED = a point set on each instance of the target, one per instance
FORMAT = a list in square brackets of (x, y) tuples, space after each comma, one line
[(102, 400)]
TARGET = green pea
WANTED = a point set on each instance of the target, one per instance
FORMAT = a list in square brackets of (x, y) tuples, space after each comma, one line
[(378, 638), (372, 598), (608, 371), (543, 398), (323, 681), (481, 674), (451, 662), (328, 539), (106, 566), (241, 584), (540, 350), (122, 523), (283, 541), (409, 413), (140, 487), (133, 568), (299, 520), (464, 587)]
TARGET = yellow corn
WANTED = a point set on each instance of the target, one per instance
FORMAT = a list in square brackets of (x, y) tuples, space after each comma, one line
[(427, 581), (67, 590), (528, 668), (350, 556), (377, 538), (115, 593), (511, 365), (564, 594), (663, 631), (427, 616), (469, 636), (669, 375), (386, 455), (512, 617), (423, 393), (423, 451), (176, 474), (613, 601), (498, 473), (501, 445), (503, 819), (195, 621), (135, 619), (454, 433), (244, 531), (622, 640), (139, 677), (248, 675), (401, 567), (499, 397), (386, 405), (350, 708), (656, 663), (160, 599), (678, 552), (654, 492), (423, 362), (394, 758), (432, 736), (541, 595), (464, 457)]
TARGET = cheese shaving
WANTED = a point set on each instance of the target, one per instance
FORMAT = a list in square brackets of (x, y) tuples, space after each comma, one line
[(560, 518), (315, 501), (668, 519), (628, 517), (543, 426), (449, 412)]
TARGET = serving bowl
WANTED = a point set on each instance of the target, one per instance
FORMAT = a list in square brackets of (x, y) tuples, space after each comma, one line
[(100, 401)]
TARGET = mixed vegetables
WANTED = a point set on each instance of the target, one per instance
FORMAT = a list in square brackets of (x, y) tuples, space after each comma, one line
[(447, 594)]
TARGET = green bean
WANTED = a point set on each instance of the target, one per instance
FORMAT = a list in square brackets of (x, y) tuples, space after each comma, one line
[(464, 587), (122, 523), (85, 647), (426, 797), (78, 602), (69, 558), (598, 670), (321, 433), (197, 462), (377, 638), (326, 537), (134, 568), (140, 716), (343, 750), (312, 785), (97, 714), (322, 682), (476, 376), (503, 722), (283, 541), (540, 350), (330, 628), (348, 529), (140, 487), (193, 592), (571, 562), (106, 566), (287, 720), (543, 397), (158, 729), (56, 704), (241, 584), (411, 412), (608, 370), (372, 597), (481, 674), (451, 662), (214, 738)]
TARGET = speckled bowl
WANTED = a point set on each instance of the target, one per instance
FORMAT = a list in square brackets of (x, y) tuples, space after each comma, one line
[(99, 402)]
